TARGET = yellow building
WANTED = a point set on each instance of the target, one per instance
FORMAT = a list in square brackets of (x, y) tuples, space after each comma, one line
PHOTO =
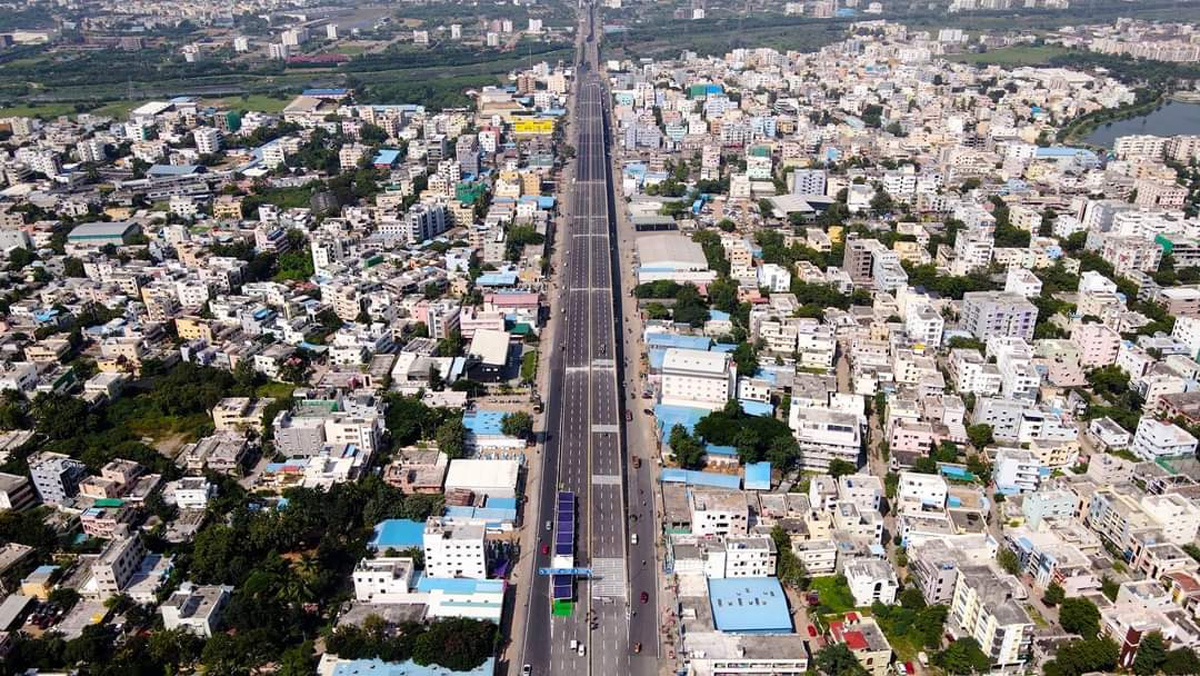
[(531, 183), (533, 127), (227, 207), (192, 328), (39, 583)]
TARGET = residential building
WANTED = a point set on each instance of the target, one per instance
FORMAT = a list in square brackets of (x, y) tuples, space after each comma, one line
[(195, 608), (697, 379), (984, 607), (1156, 439), (993, 313), (454, 551), (56, 477)]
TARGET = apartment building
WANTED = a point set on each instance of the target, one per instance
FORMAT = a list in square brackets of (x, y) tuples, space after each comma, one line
[(719, 557), (1129, 255), (923, 490), (1178, 518), (972, 373), (56, 477), (1098, 344), (924, 324), (454, 551), (934, 563), (307, 433), (1020, 421), (871, 581), (697, 379), (865, 640), (16, 492), (195, 608), (825, 435), (116, 565), (716, 512), (994, 313), (859, 259), (387, 579), (1158, 439), (1017, 470), (983, 607)]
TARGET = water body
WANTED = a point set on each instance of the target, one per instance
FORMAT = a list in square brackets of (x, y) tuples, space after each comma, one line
[(1172, 119)]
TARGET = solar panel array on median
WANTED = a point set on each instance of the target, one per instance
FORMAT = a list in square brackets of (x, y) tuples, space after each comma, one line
[(563, 588), (564, 542)]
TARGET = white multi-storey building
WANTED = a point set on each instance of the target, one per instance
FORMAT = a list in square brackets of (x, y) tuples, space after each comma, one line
[(454, 551), (972, 373), (697, 379), (208, 140), (714, 512), (983, 608), (1156, 439), (825, 435), (991, 313)]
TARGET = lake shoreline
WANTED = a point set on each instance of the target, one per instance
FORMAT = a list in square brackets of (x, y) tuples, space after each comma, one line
[(1170, 115)]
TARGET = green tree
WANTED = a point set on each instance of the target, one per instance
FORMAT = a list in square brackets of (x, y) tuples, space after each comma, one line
[(298, 661), (451, 438), (881, 203), (73, 267), (1054, 595), (837, 660), (1181, 661), (790, 569), (656, 311), (458, 644), (1151, 655), (61, 416), (517, 424), (688, 452), (746, 358), (689, 307), (1081, 657), (981, 435), (838, 468), (1009, 561), (963, 656), (1079, 616), (783, 453), (912, 599)]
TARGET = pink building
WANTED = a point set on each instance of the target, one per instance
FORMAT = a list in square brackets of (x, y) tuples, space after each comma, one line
[(1098, 344)]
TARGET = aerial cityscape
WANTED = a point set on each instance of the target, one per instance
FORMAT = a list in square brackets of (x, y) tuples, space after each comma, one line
[(607, 337)]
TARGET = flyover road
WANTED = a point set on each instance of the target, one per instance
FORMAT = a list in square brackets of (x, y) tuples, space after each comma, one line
[(584, 447)]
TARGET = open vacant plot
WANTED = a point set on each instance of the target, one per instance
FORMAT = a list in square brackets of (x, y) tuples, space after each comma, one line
[(1012, 56)]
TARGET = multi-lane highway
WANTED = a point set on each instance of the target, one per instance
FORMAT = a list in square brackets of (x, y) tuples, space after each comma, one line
[(584, 448)]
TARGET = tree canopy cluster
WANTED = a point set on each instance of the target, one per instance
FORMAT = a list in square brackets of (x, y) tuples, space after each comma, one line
[(756, 438)]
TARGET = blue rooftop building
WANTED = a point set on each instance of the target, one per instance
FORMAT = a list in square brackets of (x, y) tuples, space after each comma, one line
[(749, 605), (691, 477), (398, 534), (758, 476), (377, 667)]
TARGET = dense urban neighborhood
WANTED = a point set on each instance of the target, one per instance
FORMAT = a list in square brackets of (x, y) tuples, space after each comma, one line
[(878, 354)]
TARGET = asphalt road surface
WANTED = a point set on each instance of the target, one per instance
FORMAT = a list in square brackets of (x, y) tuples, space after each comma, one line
[(584, 450)]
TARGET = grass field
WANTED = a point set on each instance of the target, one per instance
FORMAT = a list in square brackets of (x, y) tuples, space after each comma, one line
[(44, 110), (834, 597), (259, 102), (117, 109), (1012, 56), (275, 390)]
